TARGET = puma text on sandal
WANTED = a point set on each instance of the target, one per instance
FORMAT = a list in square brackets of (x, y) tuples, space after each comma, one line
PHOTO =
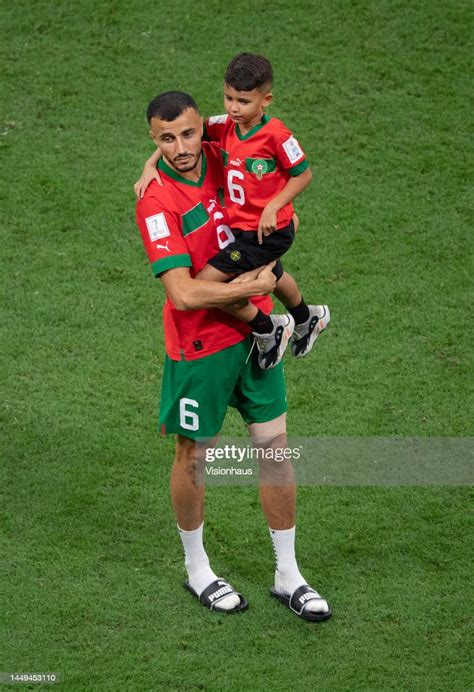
[(216, 592), (298, 602)]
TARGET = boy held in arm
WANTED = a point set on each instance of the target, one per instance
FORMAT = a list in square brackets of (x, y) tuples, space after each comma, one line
[(264, 170)]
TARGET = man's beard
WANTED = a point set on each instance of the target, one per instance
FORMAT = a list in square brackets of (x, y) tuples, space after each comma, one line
[(186, 168)]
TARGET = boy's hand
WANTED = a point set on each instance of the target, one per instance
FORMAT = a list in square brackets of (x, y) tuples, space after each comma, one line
[(267, 223), (149, 173)]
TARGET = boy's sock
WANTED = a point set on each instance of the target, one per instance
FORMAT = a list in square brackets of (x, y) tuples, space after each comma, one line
[(261, 323), (300, 312)]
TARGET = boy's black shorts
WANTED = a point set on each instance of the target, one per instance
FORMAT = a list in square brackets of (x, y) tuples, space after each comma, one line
[(244, 253)]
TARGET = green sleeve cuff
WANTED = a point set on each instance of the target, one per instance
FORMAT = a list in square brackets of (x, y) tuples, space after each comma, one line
[(172, 262), (300, 168)]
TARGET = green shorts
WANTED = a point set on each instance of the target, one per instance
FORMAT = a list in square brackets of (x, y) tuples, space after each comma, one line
[(195, 394)]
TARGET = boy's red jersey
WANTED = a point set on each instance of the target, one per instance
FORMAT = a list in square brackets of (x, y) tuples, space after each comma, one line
[(257, 167), (183, 225)]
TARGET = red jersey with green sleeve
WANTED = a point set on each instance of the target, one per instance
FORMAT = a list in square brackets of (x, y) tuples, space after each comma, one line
[(257, 166), (183, 225)]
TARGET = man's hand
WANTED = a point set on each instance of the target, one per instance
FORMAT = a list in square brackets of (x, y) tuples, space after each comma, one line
[(247, 276), (149, 173), (265, 273), (267, 278), (267, 223)]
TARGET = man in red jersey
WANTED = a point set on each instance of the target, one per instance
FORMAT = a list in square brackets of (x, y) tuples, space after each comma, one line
[(209, 362), (265, 168)]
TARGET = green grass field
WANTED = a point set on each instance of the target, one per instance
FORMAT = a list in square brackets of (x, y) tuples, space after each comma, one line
[(379, 93)]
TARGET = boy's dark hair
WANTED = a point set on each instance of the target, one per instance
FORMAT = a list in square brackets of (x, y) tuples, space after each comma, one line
[(248, 71), (170, 105)]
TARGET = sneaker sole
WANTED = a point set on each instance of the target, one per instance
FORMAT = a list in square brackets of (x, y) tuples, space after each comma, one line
[(322, 325), (287, 334)]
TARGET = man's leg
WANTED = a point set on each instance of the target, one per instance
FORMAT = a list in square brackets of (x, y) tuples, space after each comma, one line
[(186, 495), (188, 503), (278, 500)]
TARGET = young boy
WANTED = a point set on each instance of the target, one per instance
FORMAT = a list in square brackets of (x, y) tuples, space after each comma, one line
[(264, 169)]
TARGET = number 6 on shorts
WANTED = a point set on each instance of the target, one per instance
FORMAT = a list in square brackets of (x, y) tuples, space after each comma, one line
[(189, 420)]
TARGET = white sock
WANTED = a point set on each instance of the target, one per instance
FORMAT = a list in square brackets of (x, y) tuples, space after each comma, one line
[(197, 565), (288, 577)]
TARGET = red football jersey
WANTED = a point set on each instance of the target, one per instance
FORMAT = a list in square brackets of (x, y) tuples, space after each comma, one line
[(183, 225), (257, 167)]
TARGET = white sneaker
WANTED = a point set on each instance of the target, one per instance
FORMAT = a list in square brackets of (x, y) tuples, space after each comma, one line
[(272, 346), (306, 333)]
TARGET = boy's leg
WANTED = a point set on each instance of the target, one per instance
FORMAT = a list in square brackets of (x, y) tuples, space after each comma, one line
[(310, 320), (210, 273), (287, 291), (245, 311), (272, 332)]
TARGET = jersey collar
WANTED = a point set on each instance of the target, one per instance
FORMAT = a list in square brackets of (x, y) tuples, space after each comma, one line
[(163, 166), (255, 128)]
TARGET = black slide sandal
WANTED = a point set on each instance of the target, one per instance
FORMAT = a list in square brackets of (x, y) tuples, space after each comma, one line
[(298, 600), (215, 592)]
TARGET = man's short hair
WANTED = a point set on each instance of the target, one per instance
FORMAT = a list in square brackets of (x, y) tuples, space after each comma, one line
[(248, 71), (170, 105)]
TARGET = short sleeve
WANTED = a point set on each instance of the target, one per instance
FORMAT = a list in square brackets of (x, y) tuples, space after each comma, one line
[(162, 237), (290, 154), (214, 127)]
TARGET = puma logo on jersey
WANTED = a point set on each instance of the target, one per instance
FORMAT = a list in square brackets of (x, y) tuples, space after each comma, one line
[(236, 162), (163, 247)]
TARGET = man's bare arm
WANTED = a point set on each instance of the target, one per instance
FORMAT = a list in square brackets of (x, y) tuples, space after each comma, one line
[(194, 294)]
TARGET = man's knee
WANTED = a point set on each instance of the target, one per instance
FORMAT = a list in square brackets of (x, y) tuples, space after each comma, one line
[(190, 455), (262, 433), (185, 455), (275, 466)]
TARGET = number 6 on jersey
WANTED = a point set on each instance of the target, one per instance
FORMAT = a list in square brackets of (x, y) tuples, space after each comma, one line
[(236, 192)]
